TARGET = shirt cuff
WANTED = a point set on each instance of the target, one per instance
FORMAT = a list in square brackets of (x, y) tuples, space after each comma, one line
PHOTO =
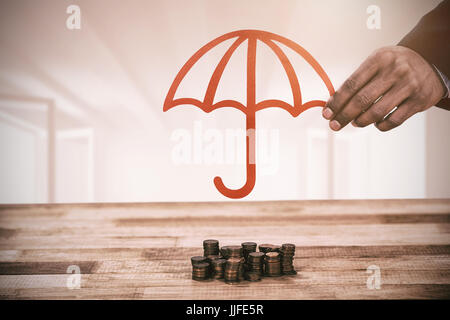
[(445, 82)]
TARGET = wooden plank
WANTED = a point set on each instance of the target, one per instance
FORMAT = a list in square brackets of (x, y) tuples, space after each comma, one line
[(67, 294), (215, 221), (183, 253), (43, 268), (403, 263), (71, 254), (417, 291), (95, 241), (230, 208), (19, 221), (352, 278), (303, 235), (174, 231), (339, 235)]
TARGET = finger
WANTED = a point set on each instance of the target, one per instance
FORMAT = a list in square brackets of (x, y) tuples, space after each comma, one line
[(391, 99), (397, 117), (360, 102), (356, 81), (354, 121)]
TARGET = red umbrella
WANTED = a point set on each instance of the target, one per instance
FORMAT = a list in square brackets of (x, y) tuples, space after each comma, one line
[(252, 106)]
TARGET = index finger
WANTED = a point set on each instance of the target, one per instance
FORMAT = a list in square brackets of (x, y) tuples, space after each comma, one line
[(366, 71)]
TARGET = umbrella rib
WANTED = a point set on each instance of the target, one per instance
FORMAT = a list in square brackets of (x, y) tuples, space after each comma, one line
[(169, 102), (293, 80), (307, 56), (215, 78)]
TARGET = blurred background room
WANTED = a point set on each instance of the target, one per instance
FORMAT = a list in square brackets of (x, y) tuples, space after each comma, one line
[(81, 110)]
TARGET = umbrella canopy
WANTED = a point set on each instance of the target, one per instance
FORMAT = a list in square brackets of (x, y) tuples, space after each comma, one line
[(208, 105)]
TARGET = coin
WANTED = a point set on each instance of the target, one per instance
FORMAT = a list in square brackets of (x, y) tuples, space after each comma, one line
[(288, 247), (210, 242), (210, 247), (248, 247), (198, 259), (265, 247), (272, 266), (235, 251), (287, 259), (256, 256), (241, 269), (269, 248), (200, 271), (218, 268), (272, 256), (224, 251), (231, 273), (255, 262)]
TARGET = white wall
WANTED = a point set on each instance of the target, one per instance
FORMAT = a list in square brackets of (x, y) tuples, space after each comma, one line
[(23, 170)]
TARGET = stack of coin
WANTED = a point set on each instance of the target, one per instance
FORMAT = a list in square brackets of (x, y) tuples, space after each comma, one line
[(197, 259), (242, 269), (200, 271), (210, 247), (248, 247), (255, 262), (210, 260), (272, 265), (218, 268), (269, 248), (224, 251), (287, 258), (234, 252), (231, 274)]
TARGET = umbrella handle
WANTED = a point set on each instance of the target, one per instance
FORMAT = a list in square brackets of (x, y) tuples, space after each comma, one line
[(238, 193), (251, 166)]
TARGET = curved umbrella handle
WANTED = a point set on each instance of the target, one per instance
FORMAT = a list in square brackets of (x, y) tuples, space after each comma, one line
[(238, 193), (251, 166)]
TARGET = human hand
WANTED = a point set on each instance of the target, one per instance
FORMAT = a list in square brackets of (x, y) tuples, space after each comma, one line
[(391, 77)]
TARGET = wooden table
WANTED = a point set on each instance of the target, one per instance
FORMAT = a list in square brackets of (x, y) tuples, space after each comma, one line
[(142, 251)]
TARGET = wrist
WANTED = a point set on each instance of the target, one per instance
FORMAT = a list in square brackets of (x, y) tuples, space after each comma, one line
[(444, 81)]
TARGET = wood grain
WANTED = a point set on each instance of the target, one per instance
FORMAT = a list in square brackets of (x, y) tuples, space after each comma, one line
[(142, 250)]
